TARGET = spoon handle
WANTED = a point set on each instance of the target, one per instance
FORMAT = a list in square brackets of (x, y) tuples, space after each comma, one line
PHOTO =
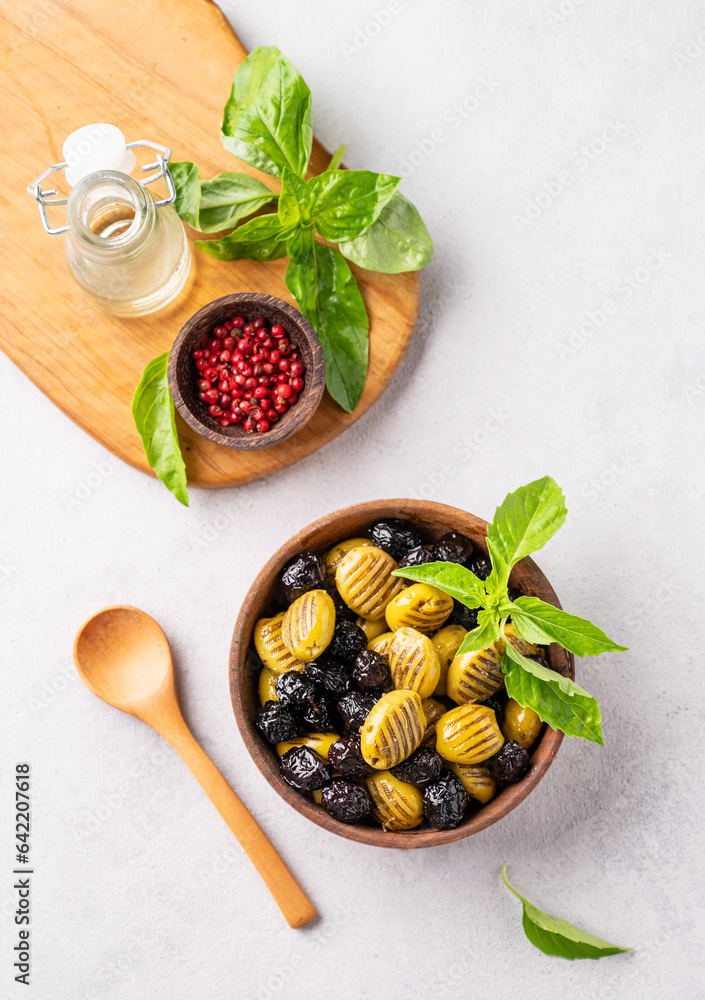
[(288, 894)]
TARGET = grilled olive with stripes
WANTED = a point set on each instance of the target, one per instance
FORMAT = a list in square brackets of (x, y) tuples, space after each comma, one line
[(476, 676), (365, 582), (393, 729), (396, 805), (468, 734), (522, 725), (519, 642), (419, 606), (433, 710), (308, 625), (414, 662), (477, 781), (270, 645), (320, 742), (267, 687), (381, 643), (446, 643), (336, 554)]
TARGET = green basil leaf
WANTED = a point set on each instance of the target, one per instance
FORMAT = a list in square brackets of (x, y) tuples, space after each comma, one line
[(153, 412), (220, 203), (188, 191), (557, 700), (398, 241), (578, 635), (295, 201), (452, 578), (262, 238), (349, 201), (337, 157), (480, 638), (327, 294), (267, 118), (554, 936), (525, 521)]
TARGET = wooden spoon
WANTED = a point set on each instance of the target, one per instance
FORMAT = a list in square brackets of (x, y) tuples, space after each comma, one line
[(124, 658)]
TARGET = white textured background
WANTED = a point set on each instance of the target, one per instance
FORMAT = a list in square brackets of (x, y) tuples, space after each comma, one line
[(570, 185)]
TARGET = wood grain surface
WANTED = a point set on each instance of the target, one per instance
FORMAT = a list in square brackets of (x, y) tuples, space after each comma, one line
[(263, 600), (158, 69)]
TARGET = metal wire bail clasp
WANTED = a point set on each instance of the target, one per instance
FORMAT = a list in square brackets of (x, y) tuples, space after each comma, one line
[(159, 166)]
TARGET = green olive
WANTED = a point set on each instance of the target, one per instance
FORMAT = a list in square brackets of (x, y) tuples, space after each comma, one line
[(520, 724), (320, 742), (365, 582), (335, 555), (433, 710), (270, 645), (419, 606), (371, 629), (308, 625), (476, 676), (381, 643), (468, 734), (477, 781), (396, 805), (267, 687), (414, 662), (519, 642), (393, 729), (446, 643)]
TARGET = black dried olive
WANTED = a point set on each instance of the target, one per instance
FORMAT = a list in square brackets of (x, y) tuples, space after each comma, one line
[(396, 536), (303, 573), (346, 801), (304, 769), (341, 608), (294, 690), (346, 757), (328, 675), (416, 557), (513, 593), (480, 565), (542, 660), (319, 713), (371, 671), (460, 615), (445, 802), (348, 639), (509, 764), (354, 708), (275, 722), (497, 703), (453, 547), (422, 766)]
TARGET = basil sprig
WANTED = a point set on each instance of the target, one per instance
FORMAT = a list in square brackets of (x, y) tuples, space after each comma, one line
[(522, 524), (554, 936), (267, 123), (153, 410)]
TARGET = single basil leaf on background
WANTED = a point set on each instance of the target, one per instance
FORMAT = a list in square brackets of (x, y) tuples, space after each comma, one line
[(554, 936), (267, 118), (578, 635), (349, 201), (261, 238), (398, 241), (188, 191), (327, 294), (557, 700), (525, 520), (337, 157), (455, 580), (480, 638), (295, 201), (220, 203), (153, 411)]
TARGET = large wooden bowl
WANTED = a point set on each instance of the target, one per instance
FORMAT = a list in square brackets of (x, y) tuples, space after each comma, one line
[(261, 601)]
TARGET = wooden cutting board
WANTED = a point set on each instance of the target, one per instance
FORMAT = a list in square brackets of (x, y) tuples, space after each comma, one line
[(161, 70)]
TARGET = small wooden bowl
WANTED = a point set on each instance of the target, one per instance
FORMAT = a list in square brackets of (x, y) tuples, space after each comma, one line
[(261, 601), (183, 376)]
